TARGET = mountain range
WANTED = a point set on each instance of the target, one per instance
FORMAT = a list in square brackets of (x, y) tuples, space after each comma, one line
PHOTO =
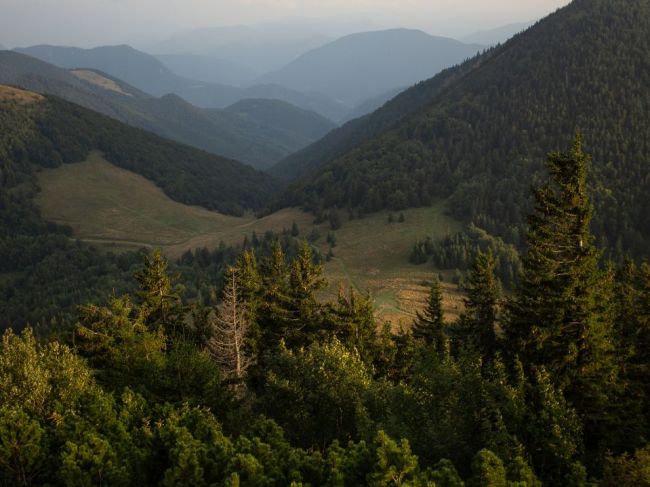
[(223, 132), (208, 69), (364, 65), (150, 75), (261, 48)]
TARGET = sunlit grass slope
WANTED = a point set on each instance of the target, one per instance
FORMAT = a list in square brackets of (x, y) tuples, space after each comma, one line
[(117, 208)]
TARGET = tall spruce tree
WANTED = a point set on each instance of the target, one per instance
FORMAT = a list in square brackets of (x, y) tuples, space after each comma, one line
[(160, 300), (305, 280), (429, 324), (560, 317), (478, 322), (274, 311)]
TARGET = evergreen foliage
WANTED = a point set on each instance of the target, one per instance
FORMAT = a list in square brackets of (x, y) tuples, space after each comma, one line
[(560, 317), (429, 325), (474, 134), (478, 324)]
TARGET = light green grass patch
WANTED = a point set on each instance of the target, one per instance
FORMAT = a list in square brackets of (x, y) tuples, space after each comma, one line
[(118, 209)]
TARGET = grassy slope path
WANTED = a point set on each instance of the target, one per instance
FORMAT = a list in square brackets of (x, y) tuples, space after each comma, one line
[(119, 209)]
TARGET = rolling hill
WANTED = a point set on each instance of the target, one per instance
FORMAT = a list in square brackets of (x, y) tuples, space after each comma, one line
[(49, 132), (304, 125), (361, 66), (150, 75), (258, 142), (480, 132)]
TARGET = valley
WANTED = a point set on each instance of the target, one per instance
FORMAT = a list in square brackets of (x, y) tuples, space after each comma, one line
[(242, 247), (120, 210)]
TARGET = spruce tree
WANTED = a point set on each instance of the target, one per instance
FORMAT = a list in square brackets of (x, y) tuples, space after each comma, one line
[(160, 301), (560, 316), (429, 324), (478, 322), (305, 280), (274, 314)]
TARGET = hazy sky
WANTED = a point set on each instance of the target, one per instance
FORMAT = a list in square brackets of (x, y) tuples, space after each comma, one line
[(94, 22)]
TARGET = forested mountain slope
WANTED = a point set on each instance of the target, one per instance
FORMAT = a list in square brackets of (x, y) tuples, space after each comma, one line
[(53, 131), (254, 140), (339, 141), (480, 139)]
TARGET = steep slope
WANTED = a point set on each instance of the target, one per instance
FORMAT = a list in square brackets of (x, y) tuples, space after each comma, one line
[(311, 159), (52, 131), (226, 133), (208, 69), (481, 140), (370, 105), (148, 74), (360, 66)]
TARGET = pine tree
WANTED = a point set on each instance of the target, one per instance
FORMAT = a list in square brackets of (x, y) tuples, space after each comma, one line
[(478, 322), (429, 325), (560, 316)]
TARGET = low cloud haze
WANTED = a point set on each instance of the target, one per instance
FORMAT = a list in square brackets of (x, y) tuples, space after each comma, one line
[(93, 22)]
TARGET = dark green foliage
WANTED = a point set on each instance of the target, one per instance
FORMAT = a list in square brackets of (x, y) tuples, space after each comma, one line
[(335, 219), (477, 326), (479, 130), (54, 131), (561, 315), (139, 400), (460, 251), (429, 325)]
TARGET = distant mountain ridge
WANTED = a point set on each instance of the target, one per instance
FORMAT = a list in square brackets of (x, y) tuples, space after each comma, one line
[(364, 65), (262, 47), (217, 131), (208, 69), (150, 75)]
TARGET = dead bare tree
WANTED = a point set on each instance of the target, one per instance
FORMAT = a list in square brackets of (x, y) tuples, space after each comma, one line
[(231, 325)]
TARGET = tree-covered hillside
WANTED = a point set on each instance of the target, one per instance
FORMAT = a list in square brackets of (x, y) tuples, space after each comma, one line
[(258, 139), (477, 141), (53, 131)]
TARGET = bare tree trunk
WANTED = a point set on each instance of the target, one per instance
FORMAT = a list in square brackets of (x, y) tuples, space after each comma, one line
[(230, 329)]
